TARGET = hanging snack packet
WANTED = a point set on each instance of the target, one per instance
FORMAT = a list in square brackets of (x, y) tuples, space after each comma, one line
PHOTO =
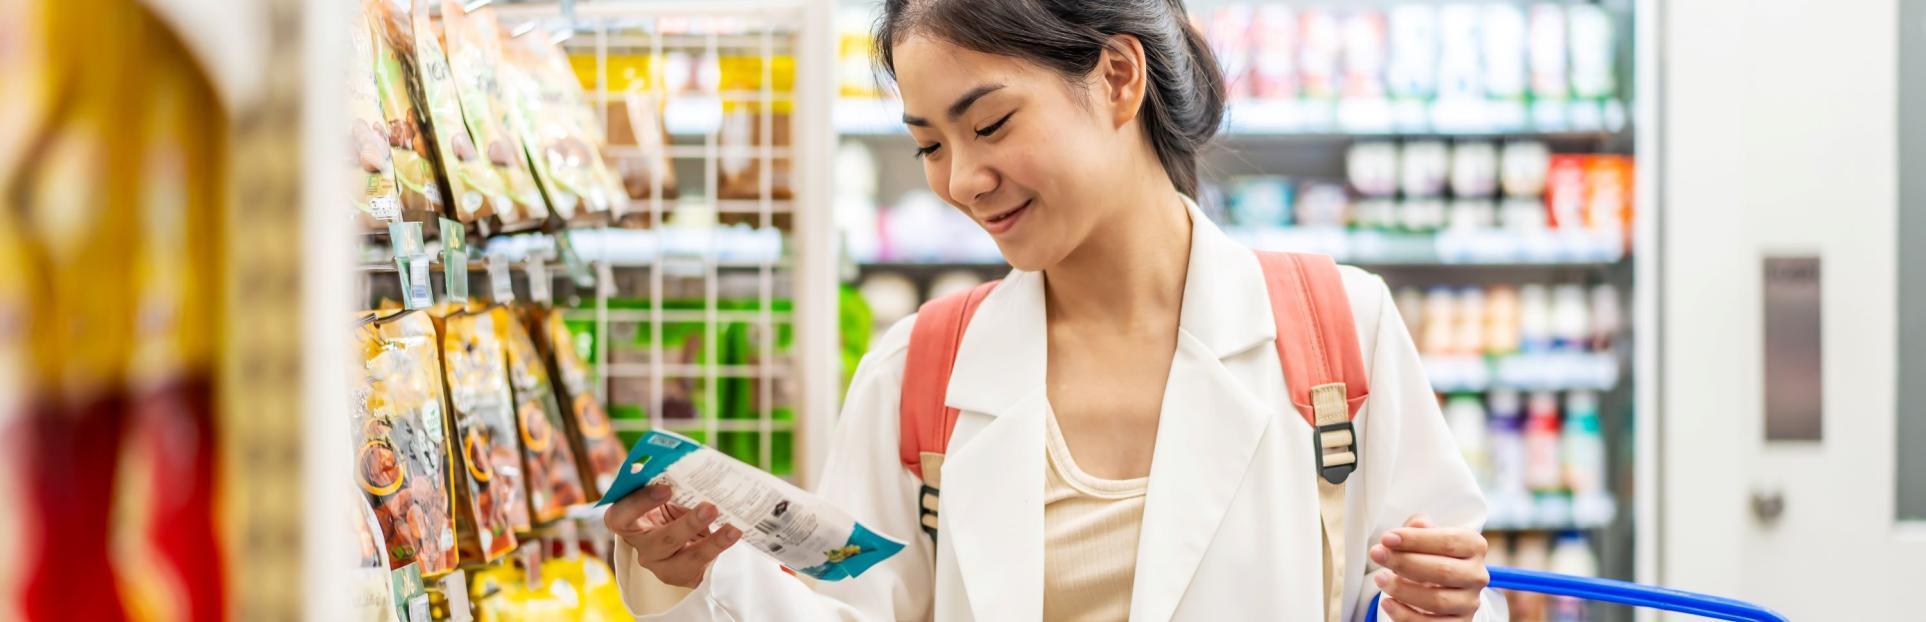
[(474, 56), (490, 466), (414, 167), (476, 189), (797, 528), (554, 483), (401, 447), (373, 593), (551, 70), (375, 200), (598, 453), (559, 151)]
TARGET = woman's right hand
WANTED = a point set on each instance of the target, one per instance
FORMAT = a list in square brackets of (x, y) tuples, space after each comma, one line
[(671, 541)]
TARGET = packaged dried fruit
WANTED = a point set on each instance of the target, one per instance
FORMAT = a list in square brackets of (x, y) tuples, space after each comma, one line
[(375, 200), (401, 442), (474, 54), (487, 458), (475, 190), (565, 121), (598, 452), (554, 483), (413, 158)]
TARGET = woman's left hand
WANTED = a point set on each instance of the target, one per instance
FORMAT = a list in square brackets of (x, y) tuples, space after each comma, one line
[(1430, 573)]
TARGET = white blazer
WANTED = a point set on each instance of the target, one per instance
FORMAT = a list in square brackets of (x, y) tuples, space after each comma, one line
[(1230, 526)]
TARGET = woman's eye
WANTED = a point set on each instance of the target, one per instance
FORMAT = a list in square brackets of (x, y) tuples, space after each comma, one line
[(995, 126), (926, 150)]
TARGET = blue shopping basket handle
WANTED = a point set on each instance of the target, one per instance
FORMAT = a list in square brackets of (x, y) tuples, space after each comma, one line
[(1621, 592)]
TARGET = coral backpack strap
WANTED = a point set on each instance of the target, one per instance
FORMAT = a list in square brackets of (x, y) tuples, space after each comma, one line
[(1317, 344), (926, 420)]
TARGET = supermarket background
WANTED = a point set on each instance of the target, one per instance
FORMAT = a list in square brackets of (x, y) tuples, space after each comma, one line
[(1663, 260)]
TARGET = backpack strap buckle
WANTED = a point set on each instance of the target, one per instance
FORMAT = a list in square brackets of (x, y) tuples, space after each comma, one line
[(1337, 452)]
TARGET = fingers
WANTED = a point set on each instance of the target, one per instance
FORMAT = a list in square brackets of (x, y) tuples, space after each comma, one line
[(1400, 612), (1436, 570), (625, 516), (1431, 599), (1446, 541), (685, 568), (670, 537), (1418, 521)]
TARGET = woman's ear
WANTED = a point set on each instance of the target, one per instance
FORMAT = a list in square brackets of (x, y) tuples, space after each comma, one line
[(1124, 76)]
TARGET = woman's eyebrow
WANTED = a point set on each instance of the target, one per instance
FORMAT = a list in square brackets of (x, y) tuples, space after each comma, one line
[(956, 108)]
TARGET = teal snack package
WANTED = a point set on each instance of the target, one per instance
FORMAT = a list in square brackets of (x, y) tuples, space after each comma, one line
[(795, 527)]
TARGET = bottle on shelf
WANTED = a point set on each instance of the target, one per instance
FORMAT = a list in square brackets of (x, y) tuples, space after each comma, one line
[(1571, 556), (1584, 460), (1501, 320), (1607, 317), (1471, 338), (1534, 319), (1508, 497), (1543, 471), (1440, 321), (1571, 320), (1465, 415)]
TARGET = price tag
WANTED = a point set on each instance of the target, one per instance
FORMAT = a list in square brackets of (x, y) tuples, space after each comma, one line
[(454, 259), (538, 280), (420, 295), (578, 270), (500, 280), (532, 566), (571, 540), (385, 209), (455, 587)]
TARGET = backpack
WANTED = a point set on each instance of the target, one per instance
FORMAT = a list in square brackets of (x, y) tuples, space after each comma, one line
[(1317, 345)]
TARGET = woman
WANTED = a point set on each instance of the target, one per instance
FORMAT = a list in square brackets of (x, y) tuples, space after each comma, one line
[(1124, 448)]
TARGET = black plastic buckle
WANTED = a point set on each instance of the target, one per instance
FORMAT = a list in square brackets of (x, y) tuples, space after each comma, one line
[(923, 511), (1335, 474)]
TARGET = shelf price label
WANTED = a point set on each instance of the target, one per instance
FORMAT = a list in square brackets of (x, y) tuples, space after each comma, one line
[(454, 259), (499, 279), (411, 264)]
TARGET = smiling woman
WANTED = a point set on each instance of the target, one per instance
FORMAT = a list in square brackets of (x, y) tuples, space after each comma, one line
[(1124, 445)]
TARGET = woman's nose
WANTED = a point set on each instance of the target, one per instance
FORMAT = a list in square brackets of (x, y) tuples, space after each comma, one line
[(970, 179)]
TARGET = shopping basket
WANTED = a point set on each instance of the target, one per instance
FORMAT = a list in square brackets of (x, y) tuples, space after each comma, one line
[(1623, 593)]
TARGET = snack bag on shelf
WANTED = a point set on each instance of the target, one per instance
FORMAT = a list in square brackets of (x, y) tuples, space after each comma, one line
[(487, 456), (376, 200), (598, 453), (408, 141), (549, 117), (373, 590), (748, 398), (636, 141), (401, 442), (554, 481), (587, 586), (474, 56), (476, 187), (742, 168), (551, 69)]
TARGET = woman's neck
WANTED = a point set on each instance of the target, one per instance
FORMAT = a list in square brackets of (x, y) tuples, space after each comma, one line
[(1130, 273)]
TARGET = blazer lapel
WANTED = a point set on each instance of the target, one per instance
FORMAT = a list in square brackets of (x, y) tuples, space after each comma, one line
[(992, 507), (1211, 425)]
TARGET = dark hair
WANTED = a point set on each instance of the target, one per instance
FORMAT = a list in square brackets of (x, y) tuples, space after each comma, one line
[(1184, 98)]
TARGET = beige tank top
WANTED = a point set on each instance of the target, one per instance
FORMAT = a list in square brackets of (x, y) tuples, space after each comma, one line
[(1090, 528)]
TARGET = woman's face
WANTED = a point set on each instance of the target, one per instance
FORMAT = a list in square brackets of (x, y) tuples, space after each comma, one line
[(1013, 145)]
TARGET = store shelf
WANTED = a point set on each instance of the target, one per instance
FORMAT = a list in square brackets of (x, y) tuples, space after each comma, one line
[(1450, 247), (645, 371), (679, 315), (1549, 512), (685, 426), (1313, 118), (1562, 371)]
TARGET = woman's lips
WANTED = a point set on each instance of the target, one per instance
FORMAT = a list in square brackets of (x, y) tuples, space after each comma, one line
[(1002, 223)]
